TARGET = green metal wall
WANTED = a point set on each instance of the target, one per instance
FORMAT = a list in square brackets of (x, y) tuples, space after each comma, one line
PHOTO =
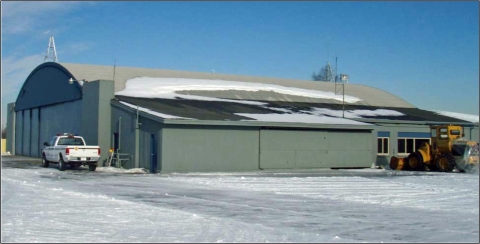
[(209, 150), (96, 110), (288, 149), (147, 128)]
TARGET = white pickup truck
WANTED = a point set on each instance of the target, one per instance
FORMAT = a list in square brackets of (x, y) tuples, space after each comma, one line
[(69, 149)]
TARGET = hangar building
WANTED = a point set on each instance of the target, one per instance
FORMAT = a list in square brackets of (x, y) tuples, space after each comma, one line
[(178, 121)]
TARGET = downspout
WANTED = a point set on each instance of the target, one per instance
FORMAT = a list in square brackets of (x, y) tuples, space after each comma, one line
[(119, 132), (137, 141), (118, 164)]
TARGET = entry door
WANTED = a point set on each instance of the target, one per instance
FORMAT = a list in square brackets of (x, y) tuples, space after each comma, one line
[(115, 142), (153, 154)]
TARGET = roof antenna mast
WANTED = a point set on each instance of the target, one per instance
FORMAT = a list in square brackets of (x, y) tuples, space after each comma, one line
[(51, 51), (114, 64)]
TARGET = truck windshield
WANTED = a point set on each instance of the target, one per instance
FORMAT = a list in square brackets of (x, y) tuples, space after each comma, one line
[(70, 141)]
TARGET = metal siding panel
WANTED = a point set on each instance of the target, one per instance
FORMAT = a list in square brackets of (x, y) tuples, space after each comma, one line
[(277, 159), (26, 133), (315, 149), (474, 134), (45, 131), (147, 128), (349, 141), (144, 150), (59, 118), (348, 149), (104, 124), (312, 159), (187, 150), (18, 133), (34, 144)]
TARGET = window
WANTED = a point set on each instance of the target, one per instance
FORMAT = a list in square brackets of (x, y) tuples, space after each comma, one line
[(52, 141), (455, 132), (70, 141), (383, 145), (409, 145)]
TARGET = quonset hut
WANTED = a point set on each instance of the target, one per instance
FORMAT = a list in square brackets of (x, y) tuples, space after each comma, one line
[(177, 121)]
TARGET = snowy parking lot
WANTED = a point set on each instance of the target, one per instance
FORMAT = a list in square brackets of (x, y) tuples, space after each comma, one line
[(114, 205)]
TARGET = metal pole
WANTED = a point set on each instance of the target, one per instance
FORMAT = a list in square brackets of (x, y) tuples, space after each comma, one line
[(343, 101), (137, 140), (336, 58), (119, 131)]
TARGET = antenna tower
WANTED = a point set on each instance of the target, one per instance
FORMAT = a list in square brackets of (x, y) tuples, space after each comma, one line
[(51, 51)]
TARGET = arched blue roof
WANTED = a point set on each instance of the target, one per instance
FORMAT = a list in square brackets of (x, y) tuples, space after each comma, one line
[(47, 84)]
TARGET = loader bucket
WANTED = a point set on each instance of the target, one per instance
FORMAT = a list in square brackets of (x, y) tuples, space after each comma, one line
[(397, 163)]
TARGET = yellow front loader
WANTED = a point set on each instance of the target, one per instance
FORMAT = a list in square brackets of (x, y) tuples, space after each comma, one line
[(448, 151)]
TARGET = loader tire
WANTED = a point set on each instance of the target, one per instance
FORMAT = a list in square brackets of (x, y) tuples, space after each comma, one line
[(398, 163), (446, 162), (415, 161)]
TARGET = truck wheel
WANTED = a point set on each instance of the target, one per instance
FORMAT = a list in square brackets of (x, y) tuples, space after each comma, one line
[(415, 161), (446, 162), (92, 167), (45, 163), (61, 164)]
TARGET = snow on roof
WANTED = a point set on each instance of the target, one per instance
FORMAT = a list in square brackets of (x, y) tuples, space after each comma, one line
[(466, 117), (301, 118), (165, 116), (354, 114), (150, 87)]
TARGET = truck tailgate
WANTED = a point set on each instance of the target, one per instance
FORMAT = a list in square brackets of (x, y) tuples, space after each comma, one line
[(83, 151)]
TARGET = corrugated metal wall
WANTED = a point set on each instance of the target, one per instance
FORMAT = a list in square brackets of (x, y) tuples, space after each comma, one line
[(60, 118), (19, 133), (38, 125), (34, 137), (26, 133)]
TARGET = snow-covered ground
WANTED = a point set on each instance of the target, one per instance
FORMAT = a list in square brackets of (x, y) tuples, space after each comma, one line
[(116, 205)]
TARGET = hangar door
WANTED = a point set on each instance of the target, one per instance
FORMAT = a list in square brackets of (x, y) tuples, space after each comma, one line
[(289, 149)]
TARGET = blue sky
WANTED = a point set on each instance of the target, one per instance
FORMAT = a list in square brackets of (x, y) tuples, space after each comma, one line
[(424, 52)]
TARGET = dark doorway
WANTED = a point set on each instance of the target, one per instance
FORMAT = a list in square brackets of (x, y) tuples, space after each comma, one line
[(153, 154), (115, 142)]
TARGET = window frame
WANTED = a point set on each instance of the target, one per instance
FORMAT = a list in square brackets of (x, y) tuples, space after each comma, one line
[(382, 144), (414, 144)]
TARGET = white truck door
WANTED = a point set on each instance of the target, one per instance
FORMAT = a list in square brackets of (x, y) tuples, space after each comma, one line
[(49, 151)]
